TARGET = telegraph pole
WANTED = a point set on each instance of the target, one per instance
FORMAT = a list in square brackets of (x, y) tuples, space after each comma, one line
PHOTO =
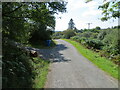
[(89, 25)]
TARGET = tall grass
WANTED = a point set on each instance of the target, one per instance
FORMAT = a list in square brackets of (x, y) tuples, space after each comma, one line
[(41, 70)]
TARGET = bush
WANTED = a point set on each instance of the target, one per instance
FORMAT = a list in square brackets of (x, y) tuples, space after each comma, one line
[(111, 41), (88, 34), (68, 33), (76, 38), (106, 41), (101, 35), (17, 68), (79, 39), (91, 43), (94, 43), (113, 50), (57, 35), (94, 35)]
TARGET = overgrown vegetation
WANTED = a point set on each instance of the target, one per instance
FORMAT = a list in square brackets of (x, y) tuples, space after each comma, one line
[(65, 34), (41, 70), (17, 68), (105, 42), (26, 23), (21, 70)]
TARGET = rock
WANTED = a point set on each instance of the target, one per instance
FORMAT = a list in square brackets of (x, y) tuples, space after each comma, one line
[(33, 53)]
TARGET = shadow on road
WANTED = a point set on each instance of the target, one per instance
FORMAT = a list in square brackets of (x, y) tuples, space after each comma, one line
[(53, 54), (57, 56)]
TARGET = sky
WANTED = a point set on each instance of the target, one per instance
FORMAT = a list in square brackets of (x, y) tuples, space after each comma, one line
[(83, 13)]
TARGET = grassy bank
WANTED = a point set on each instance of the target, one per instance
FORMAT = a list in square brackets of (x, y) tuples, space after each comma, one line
[(41, 70), (103, 63)]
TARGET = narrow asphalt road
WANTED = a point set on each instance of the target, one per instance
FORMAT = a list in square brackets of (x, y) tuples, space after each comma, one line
[(71, 70)]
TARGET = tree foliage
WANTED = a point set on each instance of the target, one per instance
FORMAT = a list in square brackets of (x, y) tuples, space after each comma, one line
[(110, 9), (71, 24), (20, 19), (97, 28), (23, 22)]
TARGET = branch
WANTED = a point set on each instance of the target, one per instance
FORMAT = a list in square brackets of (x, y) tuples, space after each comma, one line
[(87, 1), (17, 17), (13, 10)]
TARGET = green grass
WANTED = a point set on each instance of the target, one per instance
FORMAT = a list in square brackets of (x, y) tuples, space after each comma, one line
[(101, 62), (41, 66), (41, 70)]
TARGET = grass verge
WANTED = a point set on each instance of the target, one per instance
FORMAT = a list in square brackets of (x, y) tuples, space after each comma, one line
[(41, 70), (103, 63)]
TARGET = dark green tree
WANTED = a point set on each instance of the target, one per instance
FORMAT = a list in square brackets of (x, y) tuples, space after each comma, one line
[(38, 15), (97, 28), (22, 21), (71, 24)]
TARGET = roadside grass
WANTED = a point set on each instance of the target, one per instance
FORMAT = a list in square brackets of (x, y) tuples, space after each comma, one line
[(41, 70), (42, 45), (41, 67), (101, 62)]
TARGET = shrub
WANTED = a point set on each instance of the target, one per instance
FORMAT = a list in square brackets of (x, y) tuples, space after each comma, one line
[(57, 35), (101, 35), (111, 41), (76, 38), (111, 49), (106, 41), (68, 33), (88, 34), (92, 43), (17, 67)]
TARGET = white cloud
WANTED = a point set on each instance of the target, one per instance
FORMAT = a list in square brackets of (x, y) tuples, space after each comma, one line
[(61, 24), (81, 4), (92, 9), (92, 12), (82, 13), (80, 24)]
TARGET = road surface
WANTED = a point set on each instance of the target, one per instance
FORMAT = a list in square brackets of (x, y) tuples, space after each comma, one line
[(71, 70)]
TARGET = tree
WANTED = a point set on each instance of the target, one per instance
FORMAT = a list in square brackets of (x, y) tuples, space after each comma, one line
[(97, 28), (22, 21), (117, 27), (68, 33), (71, 24), (75, 30), (110, 9)]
